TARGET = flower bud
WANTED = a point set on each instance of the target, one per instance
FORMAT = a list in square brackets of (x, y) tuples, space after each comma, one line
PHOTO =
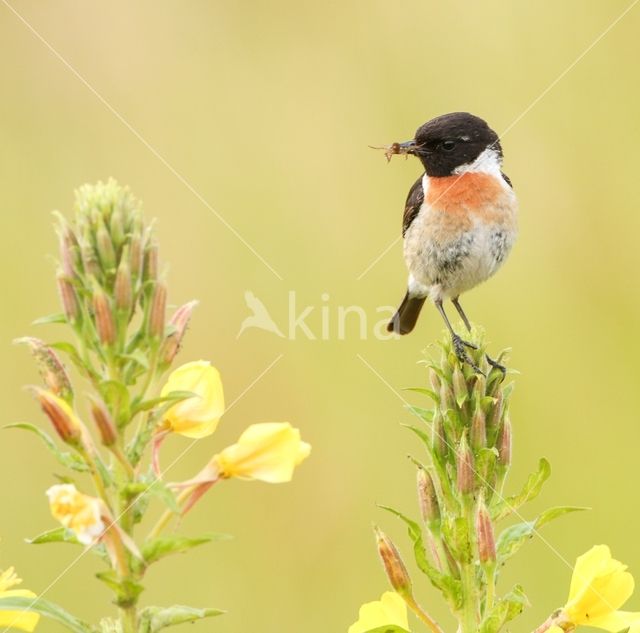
[(439, 438), (103, 315), (495, 415), (104, 422), (504, 443), (61, 415), (446, 397), (122, 288), (434, 380), (68, 298), (393, 564), (68, 251), (485, 535), (104, 246), (179, 321), (117, 228), (428, 499), (479, 387), (151, 262), (157, 314), (460, 391), (465, 475), (50, 366), (478, 430), (89, 257)]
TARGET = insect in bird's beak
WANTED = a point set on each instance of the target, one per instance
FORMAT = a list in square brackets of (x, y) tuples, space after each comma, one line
[(406, 148)]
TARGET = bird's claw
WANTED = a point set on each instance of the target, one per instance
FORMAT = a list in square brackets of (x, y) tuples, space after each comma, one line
[(496, 365), (459, 346)]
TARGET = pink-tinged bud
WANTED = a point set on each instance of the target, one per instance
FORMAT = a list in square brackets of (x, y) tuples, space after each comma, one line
[(157, 314), (61, 415), (393, 564), (105, 323), (123, 290), (68, 298), (447, 401), (460, 391), (428, 499), (105, 248), (434, 380), (50, 367), (137, 255), (104, 422), (480, 388), (151, 262), (89, 256), (485, 535), (117, 228), (465, 475), (179, 321), (495, 415), (478, 430), (504, 443)]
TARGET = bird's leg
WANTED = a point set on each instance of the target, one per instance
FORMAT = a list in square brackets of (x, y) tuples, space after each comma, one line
[(463, 316), (458, 343)]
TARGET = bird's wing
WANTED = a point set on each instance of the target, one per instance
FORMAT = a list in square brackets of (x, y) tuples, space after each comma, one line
[(412, 205)]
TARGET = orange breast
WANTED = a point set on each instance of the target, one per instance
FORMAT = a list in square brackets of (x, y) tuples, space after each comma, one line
[(464, 193)]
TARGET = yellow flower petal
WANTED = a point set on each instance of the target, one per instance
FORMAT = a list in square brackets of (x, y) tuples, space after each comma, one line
[(599, 586), (390, 609), (268, 452), (22, 620), (76, 511), (617, 621), (195, 417)]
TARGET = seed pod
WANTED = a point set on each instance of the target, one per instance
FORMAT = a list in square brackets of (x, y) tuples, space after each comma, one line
[(180, 321)]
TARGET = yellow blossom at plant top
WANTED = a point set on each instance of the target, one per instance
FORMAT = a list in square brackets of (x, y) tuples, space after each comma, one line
[(389, 610), (599, 586), (22, 620), (80, 513), (198, 416), (268, 452)]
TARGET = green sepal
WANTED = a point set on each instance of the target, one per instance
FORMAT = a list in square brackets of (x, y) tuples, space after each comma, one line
[(529, 492), (46, 609), (58, 317), (69, 460), (388, 628), (505, 610), (515, 536), (154, 619), (158, 548), (450, 587), (172, 397)]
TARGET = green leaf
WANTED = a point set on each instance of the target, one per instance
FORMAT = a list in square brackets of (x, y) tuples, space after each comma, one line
[(57, 535), (425, 415), (59, 317), (127, 590), (388, 628), (421, 434), (159, 489), (515, 536), (165, 545), (425, 392), (529, 492), (138, 357), (450, 587), (505, 610), (69, 460), (46, 609), (154, 619)]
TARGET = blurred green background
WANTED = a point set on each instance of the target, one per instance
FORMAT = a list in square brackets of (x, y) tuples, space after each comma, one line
[(266, 108)]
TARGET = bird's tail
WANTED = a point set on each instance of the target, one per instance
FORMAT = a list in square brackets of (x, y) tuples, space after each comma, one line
[(405, 318)]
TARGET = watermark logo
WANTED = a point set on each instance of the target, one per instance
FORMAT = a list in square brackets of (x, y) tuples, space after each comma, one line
[(322, 321)]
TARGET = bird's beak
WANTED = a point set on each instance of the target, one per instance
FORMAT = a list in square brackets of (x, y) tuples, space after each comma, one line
[(408, 147)]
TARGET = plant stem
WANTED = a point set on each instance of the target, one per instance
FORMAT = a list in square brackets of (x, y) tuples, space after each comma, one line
[(422, 614)]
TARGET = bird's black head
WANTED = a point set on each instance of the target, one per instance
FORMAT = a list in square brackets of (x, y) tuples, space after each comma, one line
[(451, 141)]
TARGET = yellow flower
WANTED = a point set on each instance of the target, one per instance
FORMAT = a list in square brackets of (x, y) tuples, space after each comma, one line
[(23, 620), (198, 416), (268, 452), (78, 512), (599, 586), (390, 609)]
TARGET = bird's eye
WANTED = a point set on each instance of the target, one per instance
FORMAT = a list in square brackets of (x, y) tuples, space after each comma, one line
[(447, 146)]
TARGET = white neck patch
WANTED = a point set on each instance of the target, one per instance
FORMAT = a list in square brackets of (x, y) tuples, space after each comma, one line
[(489, 162)]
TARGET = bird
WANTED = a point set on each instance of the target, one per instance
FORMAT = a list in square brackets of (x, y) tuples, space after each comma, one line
[(459, 222)]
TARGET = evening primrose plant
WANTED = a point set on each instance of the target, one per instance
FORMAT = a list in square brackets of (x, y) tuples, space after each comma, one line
[(110, 427), (458, 541)]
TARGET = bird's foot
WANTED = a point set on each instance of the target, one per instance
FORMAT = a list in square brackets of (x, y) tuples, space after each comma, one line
[(459, 347), (496, 365)]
